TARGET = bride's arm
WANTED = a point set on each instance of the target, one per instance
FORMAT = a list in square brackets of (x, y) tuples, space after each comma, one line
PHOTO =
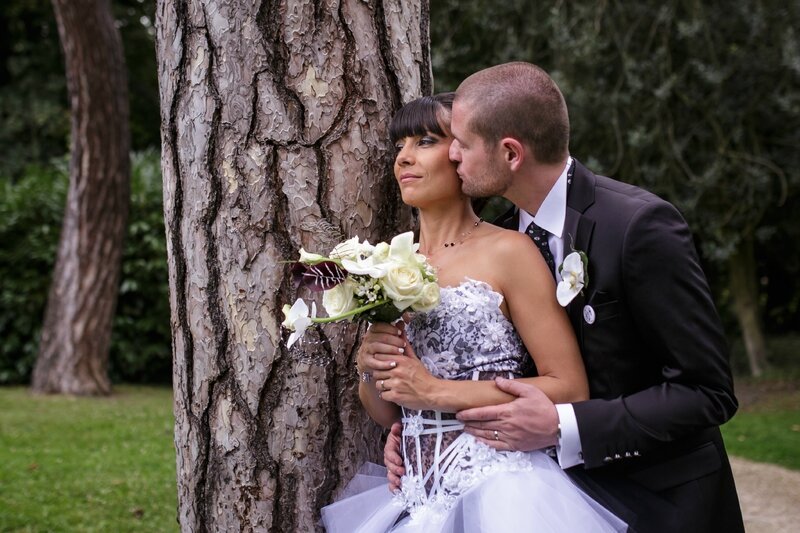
[(383, 412), (529, 292)]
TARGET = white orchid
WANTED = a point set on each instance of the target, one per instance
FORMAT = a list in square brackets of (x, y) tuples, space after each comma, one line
[(366, 266), (349, 249), (573, 278), (297, 319)]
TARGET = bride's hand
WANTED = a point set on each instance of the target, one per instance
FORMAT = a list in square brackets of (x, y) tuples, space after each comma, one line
[(380, 339), (407, 382)]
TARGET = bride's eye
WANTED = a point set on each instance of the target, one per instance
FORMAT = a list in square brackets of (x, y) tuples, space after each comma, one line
[(427, 140)]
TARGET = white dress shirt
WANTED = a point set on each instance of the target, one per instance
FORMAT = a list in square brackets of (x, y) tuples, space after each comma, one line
[(551, 216)]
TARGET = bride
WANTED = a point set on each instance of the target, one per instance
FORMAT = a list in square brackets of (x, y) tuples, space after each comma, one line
[(498, 316)]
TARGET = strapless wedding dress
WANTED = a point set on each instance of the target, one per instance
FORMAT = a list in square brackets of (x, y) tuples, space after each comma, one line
[(454, 483)]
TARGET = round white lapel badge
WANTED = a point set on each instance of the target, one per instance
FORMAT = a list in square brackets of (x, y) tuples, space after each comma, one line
[(588, 314)]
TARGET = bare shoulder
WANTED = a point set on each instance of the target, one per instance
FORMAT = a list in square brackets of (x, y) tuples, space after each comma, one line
[(515, 261), (504, 243)]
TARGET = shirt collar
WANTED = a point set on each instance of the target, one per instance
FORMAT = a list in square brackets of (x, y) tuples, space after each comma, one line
[(552, 214)]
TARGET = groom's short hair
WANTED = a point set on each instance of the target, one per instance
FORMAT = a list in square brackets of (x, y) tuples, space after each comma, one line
[(518, 100)]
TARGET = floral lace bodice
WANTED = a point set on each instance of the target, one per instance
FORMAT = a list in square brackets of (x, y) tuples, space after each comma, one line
[(467, 333), (465, 337)]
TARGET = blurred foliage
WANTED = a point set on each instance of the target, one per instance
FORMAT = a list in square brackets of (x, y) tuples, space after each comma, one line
[(31, 209), (34, 109), (30, 217), (696, 101)]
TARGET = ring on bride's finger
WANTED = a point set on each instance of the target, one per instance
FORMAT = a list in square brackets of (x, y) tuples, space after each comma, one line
[(496, 437), (380, 384)]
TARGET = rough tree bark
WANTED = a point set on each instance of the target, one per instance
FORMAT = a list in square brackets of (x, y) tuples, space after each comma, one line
[(744, 292), (274, 130), (73, 354)]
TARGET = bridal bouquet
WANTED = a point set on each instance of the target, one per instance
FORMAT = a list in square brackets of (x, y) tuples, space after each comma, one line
[(361, 281)]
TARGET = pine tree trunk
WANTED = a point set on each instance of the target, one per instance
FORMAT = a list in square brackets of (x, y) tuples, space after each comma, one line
[(73, 354), (274, 129), (744, 290)]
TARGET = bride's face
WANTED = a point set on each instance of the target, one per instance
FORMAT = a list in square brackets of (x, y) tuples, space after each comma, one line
[(424, 171)]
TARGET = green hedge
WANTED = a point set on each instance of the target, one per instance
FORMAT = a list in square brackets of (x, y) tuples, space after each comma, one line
[(31, 209)]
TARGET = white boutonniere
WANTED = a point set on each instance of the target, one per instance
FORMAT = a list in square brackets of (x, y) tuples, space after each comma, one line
[(574, 277)]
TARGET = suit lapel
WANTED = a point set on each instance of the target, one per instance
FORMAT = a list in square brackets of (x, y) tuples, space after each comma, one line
[(578, 230)]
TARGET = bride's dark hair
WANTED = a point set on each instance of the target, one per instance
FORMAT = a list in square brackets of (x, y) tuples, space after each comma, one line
[(421, 116)]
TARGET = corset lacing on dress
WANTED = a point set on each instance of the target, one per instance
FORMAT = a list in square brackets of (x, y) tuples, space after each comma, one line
[(465, 337)]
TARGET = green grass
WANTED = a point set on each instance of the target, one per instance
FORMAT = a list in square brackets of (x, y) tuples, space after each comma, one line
[(108, 464), (767, 426), (87, 464)]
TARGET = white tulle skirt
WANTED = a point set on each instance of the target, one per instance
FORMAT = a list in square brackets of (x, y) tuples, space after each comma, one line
[(540, 499)]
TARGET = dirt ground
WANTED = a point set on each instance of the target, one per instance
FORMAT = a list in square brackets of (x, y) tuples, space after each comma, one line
[(769, 495)]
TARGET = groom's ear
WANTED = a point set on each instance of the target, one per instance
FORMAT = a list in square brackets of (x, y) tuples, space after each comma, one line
[(513, 152)]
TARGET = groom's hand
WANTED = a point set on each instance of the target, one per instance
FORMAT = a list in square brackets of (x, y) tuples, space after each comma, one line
[(392, 458), (529, 422)]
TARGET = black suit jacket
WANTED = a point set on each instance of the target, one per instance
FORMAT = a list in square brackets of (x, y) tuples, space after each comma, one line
[(656, 359)]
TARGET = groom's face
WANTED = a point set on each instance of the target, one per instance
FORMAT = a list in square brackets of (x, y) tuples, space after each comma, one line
[(478, 167)]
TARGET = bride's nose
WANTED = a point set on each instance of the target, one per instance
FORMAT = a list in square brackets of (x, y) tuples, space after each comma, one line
[(404, 156)]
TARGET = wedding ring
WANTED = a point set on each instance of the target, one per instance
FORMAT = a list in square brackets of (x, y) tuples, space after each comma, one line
[(496, 437), (382, 387)]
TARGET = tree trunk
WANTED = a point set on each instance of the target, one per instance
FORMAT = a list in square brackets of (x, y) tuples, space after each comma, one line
[(274, 129), (744, 290), (73, 354)]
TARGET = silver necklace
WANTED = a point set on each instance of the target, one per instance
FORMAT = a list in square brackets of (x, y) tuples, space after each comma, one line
[(463, 237)]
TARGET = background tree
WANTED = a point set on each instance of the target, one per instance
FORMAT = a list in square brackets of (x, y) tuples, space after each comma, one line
[(274, 127), (34, 175), (73, 353)]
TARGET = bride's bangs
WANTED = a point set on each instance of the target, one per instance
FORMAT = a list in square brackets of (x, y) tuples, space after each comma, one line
[(419, 117)]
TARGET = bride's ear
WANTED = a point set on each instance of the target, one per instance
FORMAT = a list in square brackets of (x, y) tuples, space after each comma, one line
[(513, 152)]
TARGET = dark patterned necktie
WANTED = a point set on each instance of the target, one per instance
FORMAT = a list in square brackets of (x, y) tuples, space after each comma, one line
[(539, 237)]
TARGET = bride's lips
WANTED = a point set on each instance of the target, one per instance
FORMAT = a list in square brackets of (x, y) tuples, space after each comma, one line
[(407, 177)]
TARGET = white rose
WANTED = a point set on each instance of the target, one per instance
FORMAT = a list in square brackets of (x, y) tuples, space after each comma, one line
[(428, 299), (402, 283), (339, 300)]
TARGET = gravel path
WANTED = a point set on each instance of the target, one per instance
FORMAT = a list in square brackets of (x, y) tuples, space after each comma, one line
[(769, 495)]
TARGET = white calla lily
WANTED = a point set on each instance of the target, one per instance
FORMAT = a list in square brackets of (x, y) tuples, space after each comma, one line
[(402, 247), (309, 258), (572, 279)]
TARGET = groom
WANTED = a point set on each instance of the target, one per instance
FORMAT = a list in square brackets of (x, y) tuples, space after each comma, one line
[(647, 444)]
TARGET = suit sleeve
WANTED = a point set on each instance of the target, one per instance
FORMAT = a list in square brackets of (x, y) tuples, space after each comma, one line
[(673, 314)]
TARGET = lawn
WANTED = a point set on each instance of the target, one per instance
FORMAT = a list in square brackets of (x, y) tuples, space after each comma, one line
[(767, 426), (87, 464), (108, 464)]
